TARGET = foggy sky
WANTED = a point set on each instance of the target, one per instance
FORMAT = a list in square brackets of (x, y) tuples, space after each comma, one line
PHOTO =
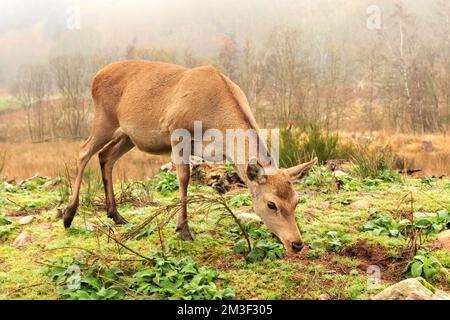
[(31, 31)]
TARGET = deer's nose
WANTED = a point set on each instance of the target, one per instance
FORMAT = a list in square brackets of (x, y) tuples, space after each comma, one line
[(297, 246)]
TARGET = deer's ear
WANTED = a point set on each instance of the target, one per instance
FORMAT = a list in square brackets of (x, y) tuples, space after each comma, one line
[(301, 170), (255, 171)]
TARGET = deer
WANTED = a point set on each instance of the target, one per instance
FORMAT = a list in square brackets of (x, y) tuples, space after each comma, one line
[(141, 103)]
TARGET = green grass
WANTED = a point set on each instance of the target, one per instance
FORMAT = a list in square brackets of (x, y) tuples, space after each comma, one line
[(8, 103), (330, 267)]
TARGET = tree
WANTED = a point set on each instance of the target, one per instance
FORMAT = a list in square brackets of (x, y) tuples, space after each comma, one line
[(32, 89), (72, 76), (228, 57)]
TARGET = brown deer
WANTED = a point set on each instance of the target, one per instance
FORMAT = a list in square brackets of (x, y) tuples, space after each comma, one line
[(141, 103)]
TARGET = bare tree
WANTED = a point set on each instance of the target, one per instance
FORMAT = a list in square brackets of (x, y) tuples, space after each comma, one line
[(32, 90), (287, 72), (72, 76), (228, 57)]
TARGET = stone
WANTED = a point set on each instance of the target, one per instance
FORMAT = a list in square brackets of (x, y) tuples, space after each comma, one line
[(23, 239), (360, 204), (26, 220), (423, 214), (324, 296), (444, 239), (340, 174), (247, 217), (411, 289), (167, 167), (322, 204), (441, 295), (45, 226)]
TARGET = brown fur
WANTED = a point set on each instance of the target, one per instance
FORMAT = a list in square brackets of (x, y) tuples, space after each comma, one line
[(140, 103)]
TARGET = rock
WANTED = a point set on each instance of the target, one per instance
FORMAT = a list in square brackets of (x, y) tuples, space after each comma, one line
[(423, 214), (411, 289), (444, 239), (360, 204), (26, 220), (324, 296), (23, 239), (441, 295), (45, 226), (247, 217), (340, 174), (322, 204), (167, 167)]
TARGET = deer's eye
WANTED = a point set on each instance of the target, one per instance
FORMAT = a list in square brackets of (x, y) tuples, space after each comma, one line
[(271, 205)]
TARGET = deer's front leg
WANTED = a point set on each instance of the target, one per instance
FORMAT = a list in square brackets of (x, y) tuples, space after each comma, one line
[(183, 174)]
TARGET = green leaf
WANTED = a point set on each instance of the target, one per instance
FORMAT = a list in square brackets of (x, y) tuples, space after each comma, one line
[(4, 221), (429, 271), (416, 269)]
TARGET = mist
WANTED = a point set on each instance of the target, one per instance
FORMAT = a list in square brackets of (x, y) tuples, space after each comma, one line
[(32, 31)]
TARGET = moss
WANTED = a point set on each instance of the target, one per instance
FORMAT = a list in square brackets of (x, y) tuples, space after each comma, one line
[(338, 275), (427, 285)]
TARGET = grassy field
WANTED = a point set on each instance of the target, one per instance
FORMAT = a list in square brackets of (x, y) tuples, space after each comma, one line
[(341, 244), (8, 103)]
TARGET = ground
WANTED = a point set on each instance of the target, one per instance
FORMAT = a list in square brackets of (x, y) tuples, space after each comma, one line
[(336, 263)]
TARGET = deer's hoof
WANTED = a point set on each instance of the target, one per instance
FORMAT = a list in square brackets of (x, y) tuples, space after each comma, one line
[(185, 234), (117, 218), (68, 216)]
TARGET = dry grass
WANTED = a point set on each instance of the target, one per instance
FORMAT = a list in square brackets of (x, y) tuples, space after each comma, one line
[(23, 160), (409, 149)]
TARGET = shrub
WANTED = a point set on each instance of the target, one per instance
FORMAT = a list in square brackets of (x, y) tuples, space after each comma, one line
[(309, 141), (6, 227), (423, 265), (240, 200), (168, 278), (374, 163), (264, 244), (336, 240), (167, 182), (319, 177), (385, 225), (93, 185)]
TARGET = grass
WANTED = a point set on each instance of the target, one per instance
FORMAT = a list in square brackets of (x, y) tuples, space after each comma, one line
[(333, 265), (25, 159), (8, 103)]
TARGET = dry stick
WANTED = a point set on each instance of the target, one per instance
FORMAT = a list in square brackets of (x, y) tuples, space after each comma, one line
[(173, 208), (26, 287), (21, 208), (413, 248), (121, 284), (240, 226), (124, 246)]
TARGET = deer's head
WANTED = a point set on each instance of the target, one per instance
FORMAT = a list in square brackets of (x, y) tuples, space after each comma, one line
[(275, 200)]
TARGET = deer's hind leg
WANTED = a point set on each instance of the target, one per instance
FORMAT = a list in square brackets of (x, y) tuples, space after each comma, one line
[(183, 174), (91, 146), (108, 157)]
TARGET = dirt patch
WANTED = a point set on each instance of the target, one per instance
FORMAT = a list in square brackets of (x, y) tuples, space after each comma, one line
[(367, 252), (371, 254), (26, 212)]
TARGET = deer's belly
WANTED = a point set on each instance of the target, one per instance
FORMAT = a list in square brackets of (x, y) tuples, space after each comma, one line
[(152, 141)]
